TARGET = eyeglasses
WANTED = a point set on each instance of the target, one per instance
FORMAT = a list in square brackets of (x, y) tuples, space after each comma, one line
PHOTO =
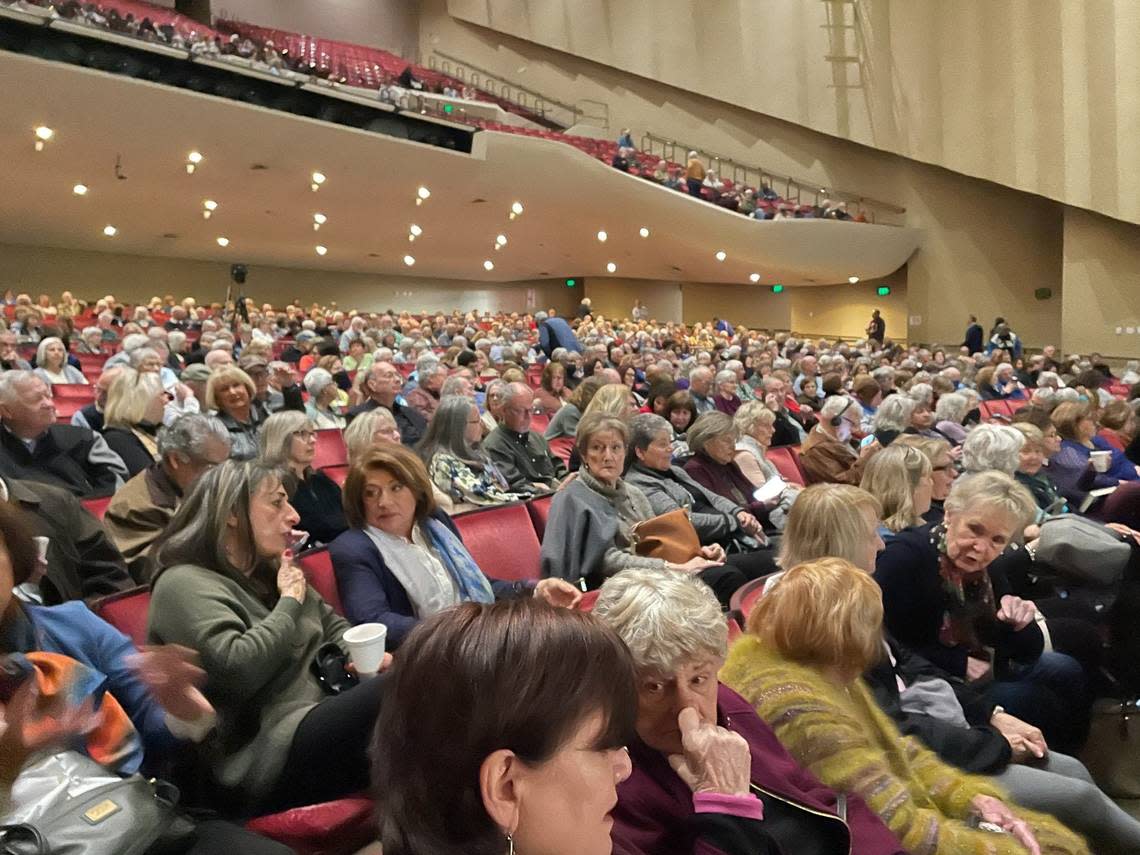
[(305, 434)]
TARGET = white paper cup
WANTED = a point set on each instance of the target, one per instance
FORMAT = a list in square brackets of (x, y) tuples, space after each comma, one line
[(1100, 460), (42, 544), (365, 644)]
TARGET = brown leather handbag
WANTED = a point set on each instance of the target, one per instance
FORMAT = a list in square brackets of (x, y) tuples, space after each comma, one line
[(669, 536)]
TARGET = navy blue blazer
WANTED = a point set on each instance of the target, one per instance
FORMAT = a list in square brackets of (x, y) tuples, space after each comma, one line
[(371, 593)]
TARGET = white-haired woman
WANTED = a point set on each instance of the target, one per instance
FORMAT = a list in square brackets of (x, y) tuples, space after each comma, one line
[(377, 427), (1005, 385), (326, 400), (755, 425), (132, 417), (893, 417), (950, 416), (991, 447), (705, 766), (288, 442), (52, 366), (725, 387)]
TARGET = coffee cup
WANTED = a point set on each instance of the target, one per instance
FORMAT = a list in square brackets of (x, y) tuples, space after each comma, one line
[(365, 643), (1100, 460)]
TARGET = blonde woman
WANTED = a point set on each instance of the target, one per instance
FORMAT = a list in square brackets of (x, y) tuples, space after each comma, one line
[(132, 417), (614, 399), (809, 640), (901, 478), (233, 396), (755, 425)]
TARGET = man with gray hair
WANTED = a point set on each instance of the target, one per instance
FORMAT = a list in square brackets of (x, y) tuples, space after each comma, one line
[(138, 514), (34, 447), (522, 455), (430, 376)]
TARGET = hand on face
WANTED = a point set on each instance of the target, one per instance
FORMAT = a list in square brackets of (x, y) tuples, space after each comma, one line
[(715, 760)]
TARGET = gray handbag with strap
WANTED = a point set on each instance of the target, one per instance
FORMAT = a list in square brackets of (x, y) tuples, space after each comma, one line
[(67, 804), (1083, 550)]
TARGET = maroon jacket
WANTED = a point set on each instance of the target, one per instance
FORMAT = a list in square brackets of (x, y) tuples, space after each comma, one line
[(655, 807), (726, 479)]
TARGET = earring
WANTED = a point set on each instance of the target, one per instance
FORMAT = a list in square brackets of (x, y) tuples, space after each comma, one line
[(510, 844)]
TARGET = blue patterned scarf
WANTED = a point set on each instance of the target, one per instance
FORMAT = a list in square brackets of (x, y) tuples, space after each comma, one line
[(469, 579)]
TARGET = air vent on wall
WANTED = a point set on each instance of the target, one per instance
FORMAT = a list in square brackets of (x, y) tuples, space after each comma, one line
[(258, 167), (478, 201), (170, 236)]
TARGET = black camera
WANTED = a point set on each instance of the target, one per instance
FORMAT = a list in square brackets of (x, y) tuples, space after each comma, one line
[(238, 272)]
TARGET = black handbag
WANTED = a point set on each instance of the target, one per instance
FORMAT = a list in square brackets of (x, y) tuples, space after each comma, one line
[(129, 816)]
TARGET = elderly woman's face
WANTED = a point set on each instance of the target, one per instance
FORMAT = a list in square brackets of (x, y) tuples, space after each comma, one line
[(1030, 459), (564, 804), (944, 474), (680, 419), (975, 537), (721, 448), (233, 396), (762, 432), (659, 453), (728, 389), (389, 503), (922, 417), (605, 456), (661, 697), (272, 519)]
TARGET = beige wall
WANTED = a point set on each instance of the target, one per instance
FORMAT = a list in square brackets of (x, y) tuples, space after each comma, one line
[(1041, 95), (845, 310), (1102, 285), (752, 305), (137, 278), (613, 297), (388, 24)]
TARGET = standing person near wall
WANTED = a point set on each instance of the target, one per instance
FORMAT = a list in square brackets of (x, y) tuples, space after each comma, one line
[(694, 174)]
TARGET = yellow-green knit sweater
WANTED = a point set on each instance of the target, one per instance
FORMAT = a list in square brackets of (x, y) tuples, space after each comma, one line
[(851, 745)]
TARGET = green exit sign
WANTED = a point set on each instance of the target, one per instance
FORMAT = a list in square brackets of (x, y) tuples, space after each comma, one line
[(570, 283), (884, 291), (777, 289)]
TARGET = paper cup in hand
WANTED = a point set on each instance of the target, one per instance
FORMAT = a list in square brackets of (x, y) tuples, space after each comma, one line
[(365, 645), (1100, 460)]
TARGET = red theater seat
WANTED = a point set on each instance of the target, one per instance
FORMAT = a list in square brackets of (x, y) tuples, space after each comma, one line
[(561, 447), (539, 511), (784, 459), (126, 612), (502, 541), (67, 408), (337, 473), (317, 567), (539, 422), (331, 450), (589, 599), (331, 828), (97, 507), (73, 392), (747, 595)]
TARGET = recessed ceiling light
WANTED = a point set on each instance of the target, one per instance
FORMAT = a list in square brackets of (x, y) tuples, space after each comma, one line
[(421, 195), (43, 135), (501, 240), (517, 208), (721, 255), (852, 279), (415, 230), (208, 208), (755, 277), (110, 231), (611, 267), (223, 242), (319, 220), (192, 161), (602, 236), (488, 265), (79, 189), (318, 178), (409, 260), (321, 250), (643, 231)]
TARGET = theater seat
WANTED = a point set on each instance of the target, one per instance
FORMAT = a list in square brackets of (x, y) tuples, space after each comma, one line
[(331, 450), (539, 510), (317, 567), (73, 392), (586, 604), (502, 541), (330, 828), (539, 422), (561, 447), (66, 408), (784, 459), (748, 594), (337, 473), (126, 612), (97, 507)]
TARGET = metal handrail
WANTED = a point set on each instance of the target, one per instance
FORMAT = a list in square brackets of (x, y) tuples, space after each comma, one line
[(496, 85), (790, 188)]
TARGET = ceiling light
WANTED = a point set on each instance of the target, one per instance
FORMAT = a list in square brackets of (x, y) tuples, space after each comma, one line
[(223, 242), (409, 260), (755, 277), (643, 231), (192, 161), (319, 220), (318, 178), (501, 240), (721, 255), (208, 208), (488, 265), (852, 279), (516, 210), (43, 135), (110, 231), (602, 236), (79, 189), (611, 267), (421, 195), (321, 250)]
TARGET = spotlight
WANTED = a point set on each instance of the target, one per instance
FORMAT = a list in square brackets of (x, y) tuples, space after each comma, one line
[(318, 221), (501, 240), (322, 250), (318, 178), (516, 210), (422, 195), (223, 242), (192, 160), (110, 231), (409, 260), (721, 255), (208, 208), (79, 189), (852, 279), (414, 232), (643, 231), (611, 267), (602, 236), (755, 277), (488, 265), (44, 135)]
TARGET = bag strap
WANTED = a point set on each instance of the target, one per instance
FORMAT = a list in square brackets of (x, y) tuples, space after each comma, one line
[(12, 835)]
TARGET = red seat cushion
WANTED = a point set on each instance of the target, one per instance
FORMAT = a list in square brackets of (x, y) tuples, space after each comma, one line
[(337, 473), (97, 507), (126, 612), (586, 604), (67, 408), (73, 392), (331, 450), (561, 447), (502, 541), (786, 464), (539, 512), (317, 567), (343, 826)]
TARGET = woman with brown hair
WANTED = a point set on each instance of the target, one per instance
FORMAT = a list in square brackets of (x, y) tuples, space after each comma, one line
[(552, 392), (402, 558), (522, 741)]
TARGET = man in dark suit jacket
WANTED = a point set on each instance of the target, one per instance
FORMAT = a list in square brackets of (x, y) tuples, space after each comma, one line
[(974, 334), (383, 387), (554, 333), (82, 564), (522, 455), (33, 447)]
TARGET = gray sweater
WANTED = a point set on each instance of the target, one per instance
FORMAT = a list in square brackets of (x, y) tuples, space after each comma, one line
[(257, 668), (588, 531), (715, 520)]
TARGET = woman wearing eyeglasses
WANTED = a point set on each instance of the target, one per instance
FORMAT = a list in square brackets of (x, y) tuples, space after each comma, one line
[(289, 443)]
